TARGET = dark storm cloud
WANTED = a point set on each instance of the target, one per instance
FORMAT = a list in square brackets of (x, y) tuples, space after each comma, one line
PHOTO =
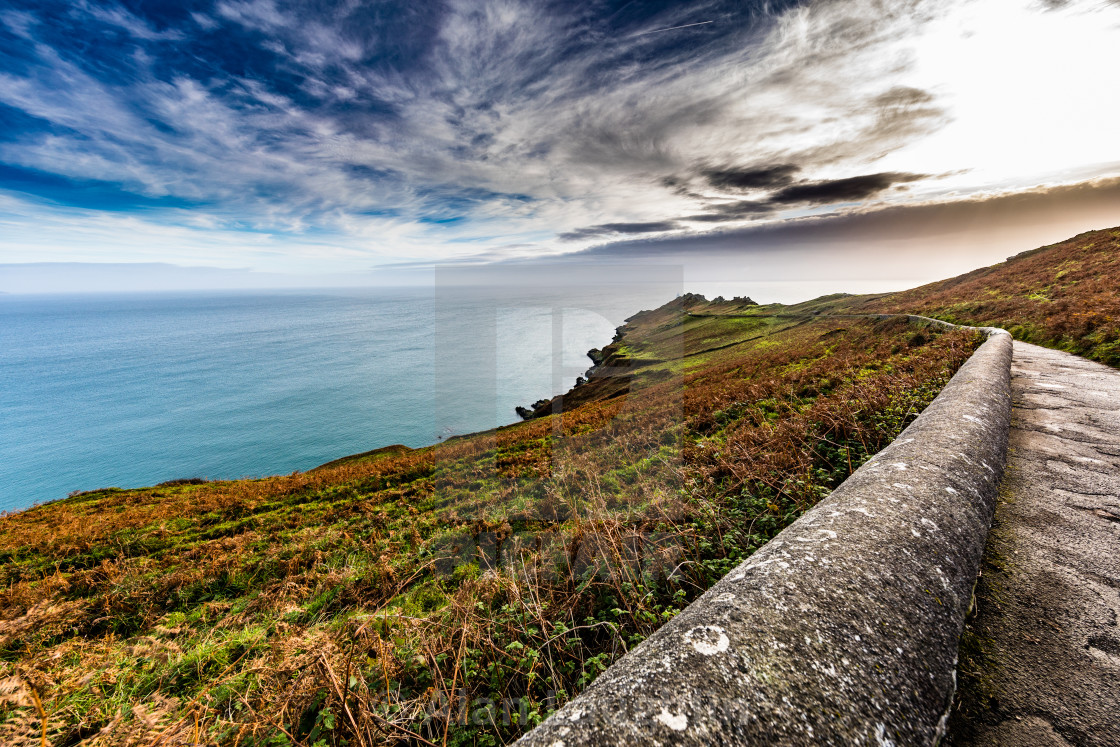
[(606, 229), (746, 179), (732, 211), (1097, 201), (805, 193), (851, 189), (885, 120)]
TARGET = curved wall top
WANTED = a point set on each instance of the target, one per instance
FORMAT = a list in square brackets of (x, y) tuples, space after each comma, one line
[(844, 628)]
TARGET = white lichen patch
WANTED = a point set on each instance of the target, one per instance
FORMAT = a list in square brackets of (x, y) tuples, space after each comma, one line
[(951, 491), (676, 723), (900, 466), (942, 576), (881, 736), (708, 640)]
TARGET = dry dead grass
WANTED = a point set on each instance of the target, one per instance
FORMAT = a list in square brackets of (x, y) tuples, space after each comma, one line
[(1063, 295), (451, 595)]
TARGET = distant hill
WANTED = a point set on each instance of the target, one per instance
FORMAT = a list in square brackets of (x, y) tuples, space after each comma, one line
[(1065, 296)]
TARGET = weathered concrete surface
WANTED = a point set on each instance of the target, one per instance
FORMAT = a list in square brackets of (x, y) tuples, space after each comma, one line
[(844, 628), (1050, 615)]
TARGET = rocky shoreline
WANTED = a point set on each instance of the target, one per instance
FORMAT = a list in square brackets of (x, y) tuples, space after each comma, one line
[(612, 369)]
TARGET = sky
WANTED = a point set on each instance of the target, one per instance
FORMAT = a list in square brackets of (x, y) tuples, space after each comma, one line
[(866, 143)]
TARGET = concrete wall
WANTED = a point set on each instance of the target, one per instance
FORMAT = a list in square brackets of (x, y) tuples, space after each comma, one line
[(844, 628)]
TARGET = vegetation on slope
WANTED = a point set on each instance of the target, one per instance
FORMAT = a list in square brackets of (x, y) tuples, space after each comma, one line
[(453, 594), (1062, 296)]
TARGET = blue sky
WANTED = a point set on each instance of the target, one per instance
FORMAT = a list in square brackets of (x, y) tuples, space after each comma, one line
[(333, 138)]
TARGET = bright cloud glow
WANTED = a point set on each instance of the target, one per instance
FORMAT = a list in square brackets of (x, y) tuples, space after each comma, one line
[(1028, 93), (257, 133)]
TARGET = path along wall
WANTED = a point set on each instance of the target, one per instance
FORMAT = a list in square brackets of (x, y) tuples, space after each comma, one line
[(844, 628)]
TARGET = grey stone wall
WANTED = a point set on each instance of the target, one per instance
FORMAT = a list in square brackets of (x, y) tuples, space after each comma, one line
[(844, 628)]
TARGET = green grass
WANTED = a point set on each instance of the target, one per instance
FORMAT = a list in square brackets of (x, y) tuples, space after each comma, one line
[(460, 591), (1062, 296)]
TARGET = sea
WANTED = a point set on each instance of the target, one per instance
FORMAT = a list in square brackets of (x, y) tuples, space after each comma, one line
[(133, 389)]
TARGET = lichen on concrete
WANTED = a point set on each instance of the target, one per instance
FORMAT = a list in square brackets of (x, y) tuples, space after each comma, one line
[(844, 628)]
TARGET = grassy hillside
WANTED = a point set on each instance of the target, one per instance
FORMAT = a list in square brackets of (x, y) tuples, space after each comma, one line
[(453, 594), (1065, 296)]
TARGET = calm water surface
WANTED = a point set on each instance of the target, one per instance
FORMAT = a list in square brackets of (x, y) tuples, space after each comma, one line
[(132, 389)]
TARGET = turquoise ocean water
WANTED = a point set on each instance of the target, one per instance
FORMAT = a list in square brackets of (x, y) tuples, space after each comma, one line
[(129, 390)]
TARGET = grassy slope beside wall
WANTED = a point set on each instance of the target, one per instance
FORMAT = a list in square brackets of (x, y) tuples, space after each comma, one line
[(1065, 295), (453, 594)]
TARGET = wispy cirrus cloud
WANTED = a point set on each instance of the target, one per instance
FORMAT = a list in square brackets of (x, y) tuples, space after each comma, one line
[(609, 229), (510, 128), (121, 18)]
